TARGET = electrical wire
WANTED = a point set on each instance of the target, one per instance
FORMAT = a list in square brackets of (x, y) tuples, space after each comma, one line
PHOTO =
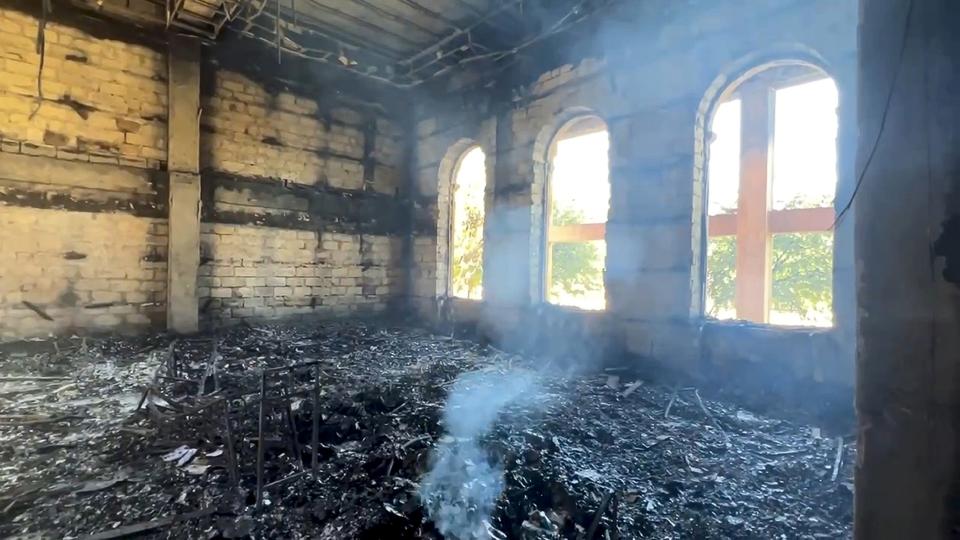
[(883, 118), (42, 51)]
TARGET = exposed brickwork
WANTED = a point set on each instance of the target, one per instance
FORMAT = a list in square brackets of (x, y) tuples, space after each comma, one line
[(103, 101), (251, 132), (80, 167), (86, 271), (268, 272), (265, 273)]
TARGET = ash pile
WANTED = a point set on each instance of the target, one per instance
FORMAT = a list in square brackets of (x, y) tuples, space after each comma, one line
[(362, 430)]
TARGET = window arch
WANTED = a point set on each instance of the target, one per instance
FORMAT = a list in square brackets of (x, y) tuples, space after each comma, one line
[(464, 276), (576, 204), (771, 177)]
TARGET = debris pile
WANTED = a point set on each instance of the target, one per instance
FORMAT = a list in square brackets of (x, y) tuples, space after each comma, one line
[(346, 429)]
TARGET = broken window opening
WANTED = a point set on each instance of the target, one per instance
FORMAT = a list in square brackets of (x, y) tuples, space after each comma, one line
[(772, 175), (577, 204), (466, 225)]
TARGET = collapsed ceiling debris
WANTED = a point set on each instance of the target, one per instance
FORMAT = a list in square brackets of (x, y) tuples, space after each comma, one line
[(403, 42), (116, 437)]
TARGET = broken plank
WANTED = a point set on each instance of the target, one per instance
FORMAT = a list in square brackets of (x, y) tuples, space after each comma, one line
[(146, 526), (19, 378)]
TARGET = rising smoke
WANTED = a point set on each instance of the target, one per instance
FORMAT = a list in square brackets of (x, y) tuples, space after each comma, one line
[(461, 489)]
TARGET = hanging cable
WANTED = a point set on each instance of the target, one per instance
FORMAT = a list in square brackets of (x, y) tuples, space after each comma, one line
[(41, 50), (883, 118)]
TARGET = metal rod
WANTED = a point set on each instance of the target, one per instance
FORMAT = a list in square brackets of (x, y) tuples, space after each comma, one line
[(294, 366), (279, 33), (285, 479), (315, 433), (560, 25), (339, 36), (436, 46), (172, 359), (361, 22), (231, 454), (261, 446), (294, 434)]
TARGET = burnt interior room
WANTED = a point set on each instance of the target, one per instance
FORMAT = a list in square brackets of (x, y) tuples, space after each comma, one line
[(479, 269)]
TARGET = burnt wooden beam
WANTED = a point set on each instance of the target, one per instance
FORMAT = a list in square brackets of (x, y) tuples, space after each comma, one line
[(274, 203)]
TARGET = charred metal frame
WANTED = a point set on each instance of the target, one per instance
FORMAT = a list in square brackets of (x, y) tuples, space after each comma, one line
[(210, 413), (377, 52), (214, 413), (287, 388)]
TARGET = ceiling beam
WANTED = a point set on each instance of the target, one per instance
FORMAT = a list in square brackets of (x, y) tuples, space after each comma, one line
[(413, 4), (438, 46), (398, 18), (516, 26), (337, 35), (379, 30)]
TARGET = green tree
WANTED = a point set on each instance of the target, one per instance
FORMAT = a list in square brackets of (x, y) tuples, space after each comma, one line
[(576, 266), (801, 270), (721, 273), (467, 257)]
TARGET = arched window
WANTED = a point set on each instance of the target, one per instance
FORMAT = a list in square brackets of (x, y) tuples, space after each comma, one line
[(575, 217), (771, 180), (466, 225)]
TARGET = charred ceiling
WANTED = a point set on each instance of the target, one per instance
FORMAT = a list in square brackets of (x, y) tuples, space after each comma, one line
[(404, 43)]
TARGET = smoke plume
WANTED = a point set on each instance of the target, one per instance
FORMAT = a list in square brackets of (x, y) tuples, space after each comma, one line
[(461, 489)]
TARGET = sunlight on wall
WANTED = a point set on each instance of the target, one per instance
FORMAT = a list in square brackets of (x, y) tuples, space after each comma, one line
[(466, 255)]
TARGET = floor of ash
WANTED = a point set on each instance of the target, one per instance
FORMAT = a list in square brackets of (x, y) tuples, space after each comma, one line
[(76, 460)]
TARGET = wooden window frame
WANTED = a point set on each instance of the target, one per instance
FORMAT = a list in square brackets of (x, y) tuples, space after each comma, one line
[(754, 223)]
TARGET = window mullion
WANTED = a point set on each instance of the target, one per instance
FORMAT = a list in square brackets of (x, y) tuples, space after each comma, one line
[(753, 279)]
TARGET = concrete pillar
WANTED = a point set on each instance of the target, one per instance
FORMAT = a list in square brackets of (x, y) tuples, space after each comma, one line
[(907, 244), (183, 164)]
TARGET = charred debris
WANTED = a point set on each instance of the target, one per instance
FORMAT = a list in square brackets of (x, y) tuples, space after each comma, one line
[(362, 430)]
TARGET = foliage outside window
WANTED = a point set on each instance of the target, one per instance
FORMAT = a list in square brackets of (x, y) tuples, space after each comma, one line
[(772, 176), (466, 242), (578, 203)]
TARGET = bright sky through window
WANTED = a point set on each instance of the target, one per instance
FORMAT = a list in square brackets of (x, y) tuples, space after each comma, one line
[(580, 176), (804, 149), (805, 145), (579, 195), (802, 174), (466, 259), (724, 165)]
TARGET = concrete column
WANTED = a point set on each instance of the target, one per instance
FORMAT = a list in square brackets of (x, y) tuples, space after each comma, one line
[(907, 243), (183, 164)]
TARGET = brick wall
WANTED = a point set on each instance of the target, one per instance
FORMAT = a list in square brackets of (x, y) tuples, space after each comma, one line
[(104, 101), (261, 273), (264, 264), (88, 166), (83, 270), (652, 88), (82, 228), (252, 132)]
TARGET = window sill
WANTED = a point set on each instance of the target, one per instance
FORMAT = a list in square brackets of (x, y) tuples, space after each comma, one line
[(571, 310), (766, 327)]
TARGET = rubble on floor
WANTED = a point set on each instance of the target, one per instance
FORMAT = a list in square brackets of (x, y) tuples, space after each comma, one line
[(115, 437)]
